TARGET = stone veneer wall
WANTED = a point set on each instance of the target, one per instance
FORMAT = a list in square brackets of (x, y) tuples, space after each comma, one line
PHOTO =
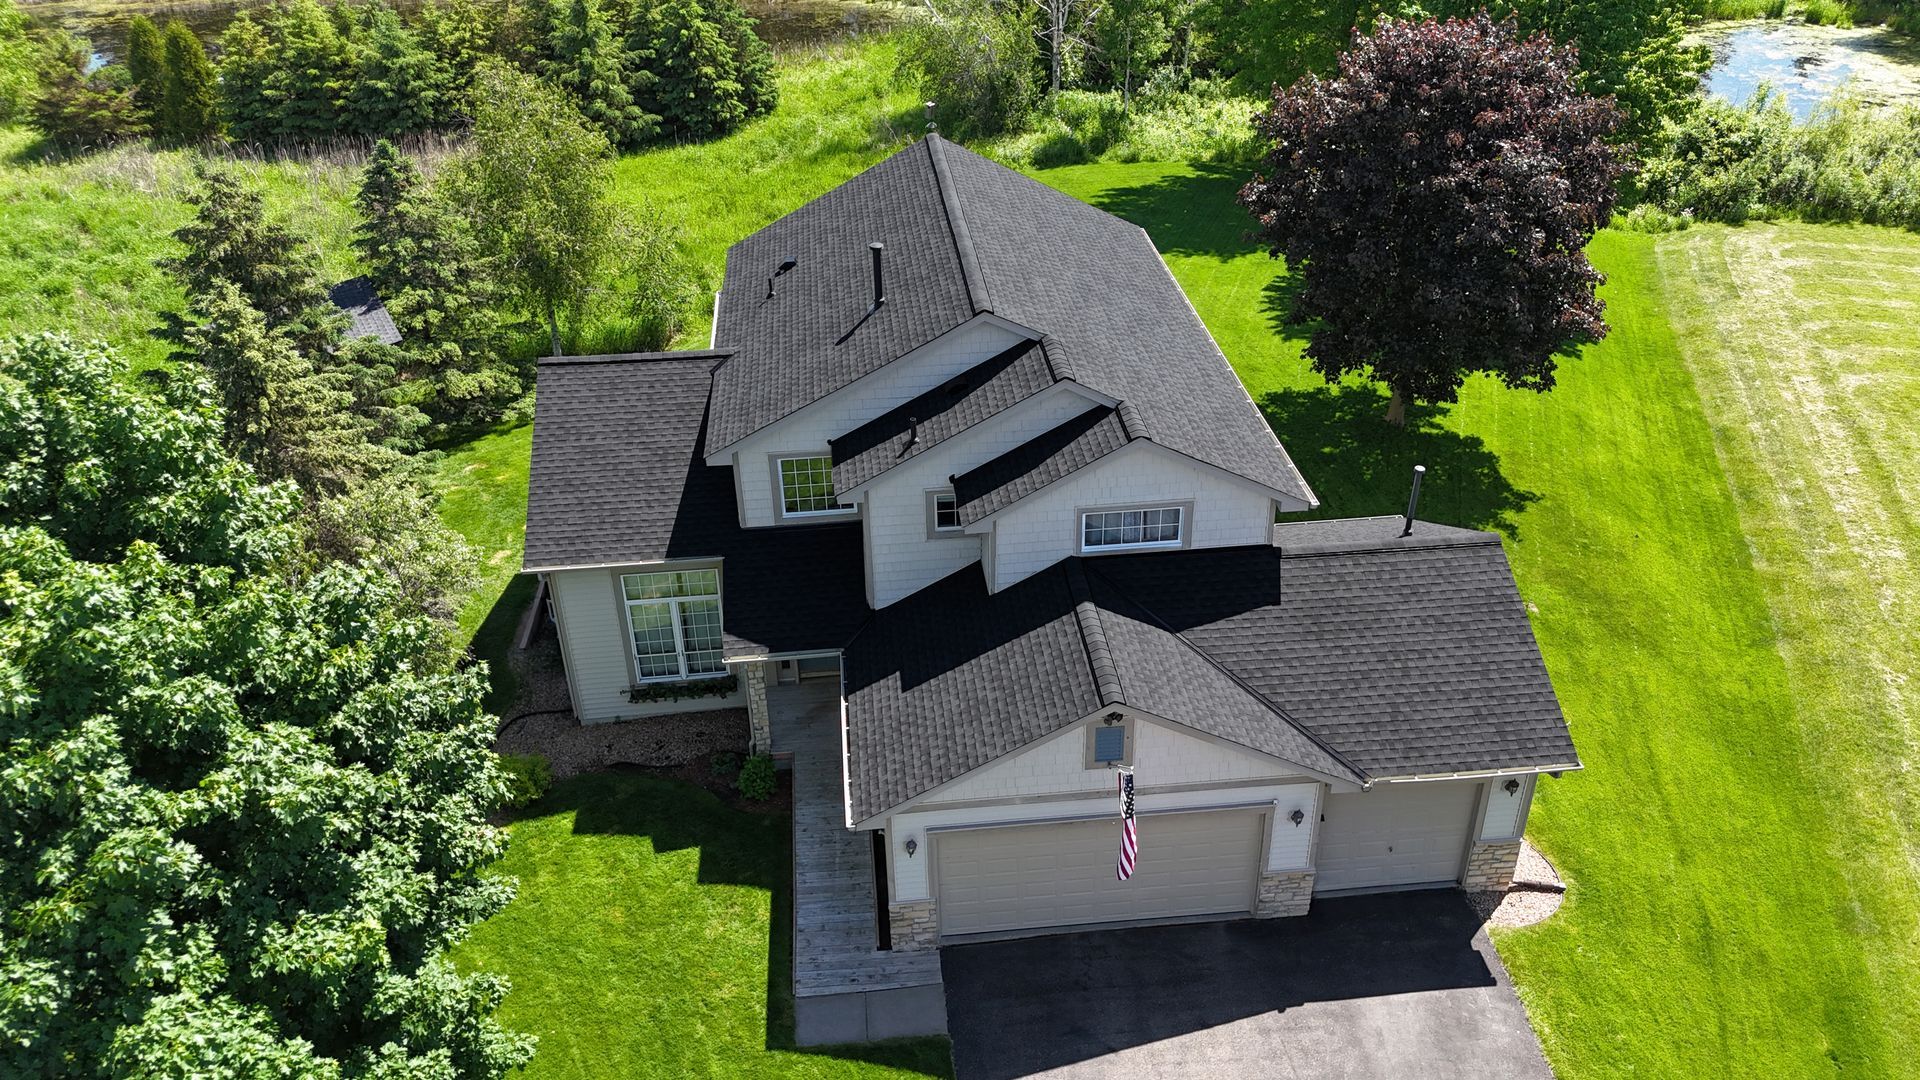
[(1289, 892), (760, 726), (913, 926), (1490, 865)]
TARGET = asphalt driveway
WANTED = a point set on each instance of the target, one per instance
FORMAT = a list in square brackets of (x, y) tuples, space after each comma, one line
[(1398, 985)]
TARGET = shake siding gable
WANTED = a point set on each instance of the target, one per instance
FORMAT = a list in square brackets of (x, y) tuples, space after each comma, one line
[(1044, 528), (901, 560), (808, 430)]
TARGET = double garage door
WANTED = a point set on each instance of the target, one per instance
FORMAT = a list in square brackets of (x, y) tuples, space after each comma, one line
[(1024, 877), (1397, 835)]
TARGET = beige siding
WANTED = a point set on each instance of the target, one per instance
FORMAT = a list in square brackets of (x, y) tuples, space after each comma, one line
[(588, 607), (807, 431), (1056, 766), (1506, 815), (1044, 529), (901, 560)]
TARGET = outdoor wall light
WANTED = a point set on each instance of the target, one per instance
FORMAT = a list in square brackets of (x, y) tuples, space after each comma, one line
[(1297, 817), (1512, 786), (912, 846)]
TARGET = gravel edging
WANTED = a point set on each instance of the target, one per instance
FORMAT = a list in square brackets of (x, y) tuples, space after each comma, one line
[(655, 742), (1536, 893)]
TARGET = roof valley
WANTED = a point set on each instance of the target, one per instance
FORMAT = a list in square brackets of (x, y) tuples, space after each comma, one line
[(957, 224)]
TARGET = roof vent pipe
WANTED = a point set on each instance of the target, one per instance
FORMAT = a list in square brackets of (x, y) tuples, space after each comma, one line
[(1413, 500), (879, 287)]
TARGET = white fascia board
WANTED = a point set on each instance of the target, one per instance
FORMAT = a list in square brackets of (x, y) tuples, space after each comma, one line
[(1060, 389), (722, 455), (1480, 774), (623, 563)]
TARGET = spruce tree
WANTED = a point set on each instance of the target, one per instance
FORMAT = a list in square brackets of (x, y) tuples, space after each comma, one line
[(312, 67), (78, 108), (699, 66), (398, 84), (246, 63), (231, 239), (146, 65), (585, 61), (752, 58), (187, 98)]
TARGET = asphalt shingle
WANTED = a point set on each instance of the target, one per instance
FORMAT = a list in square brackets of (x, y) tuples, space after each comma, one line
[(365, 309), (1040, 461)]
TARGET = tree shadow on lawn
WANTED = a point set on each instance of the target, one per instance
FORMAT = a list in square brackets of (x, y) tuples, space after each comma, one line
[(1277, 298), (1361, 466), (737, 847), (494, 640), (1189, 214)]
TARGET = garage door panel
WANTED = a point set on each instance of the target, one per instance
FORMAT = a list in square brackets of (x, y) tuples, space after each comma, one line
[(1394, 835), (1030, 876)]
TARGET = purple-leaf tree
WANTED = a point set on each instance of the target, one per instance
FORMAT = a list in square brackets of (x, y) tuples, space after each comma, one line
[(1433, 202)]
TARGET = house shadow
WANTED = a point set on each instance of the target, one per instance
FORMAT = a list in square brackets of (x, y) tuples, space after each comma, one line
[(1361, 466), (1309, 984), (1194, 213)]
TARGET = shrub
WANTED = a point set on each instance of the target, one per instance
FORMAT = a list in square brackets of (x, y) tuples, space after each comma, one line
[(976, 62), (756, 780), (528, 777), (78, 108), (725, 764)]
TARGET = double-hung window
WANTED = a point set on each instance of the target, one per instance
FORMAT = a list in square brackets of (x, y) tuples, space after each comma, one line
[(943, 514), (806, 487), (675, 619), (1121, 530)]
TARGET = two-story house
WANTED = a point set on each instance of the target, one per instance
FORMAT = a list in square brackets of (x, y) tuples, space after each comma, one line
[(962, 444)]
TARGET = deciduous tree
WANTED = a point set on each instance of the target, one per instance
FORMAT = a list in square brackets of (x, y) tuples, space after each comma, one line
[(976, 62), (1434, 200), (535, 181), (244, 805)]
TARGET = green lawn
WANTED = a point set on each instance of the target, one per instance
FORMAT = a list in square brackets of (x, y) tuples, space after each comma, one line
[(1712, 929), (643, 942)]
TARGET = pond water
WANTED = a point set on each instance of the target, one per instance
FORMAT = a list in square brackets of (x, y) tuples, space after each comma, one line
[(1806, 64), (785, 24)]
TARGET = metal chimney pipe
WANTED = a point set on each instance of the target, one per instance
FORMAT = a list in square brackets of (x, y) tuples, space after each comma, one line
[(1413, 500), (879, 286)]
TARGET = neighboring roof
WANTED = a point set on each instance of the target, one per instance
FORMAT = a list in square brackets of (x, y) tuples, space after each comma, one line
[(900, 434), (1025, 469), (368, 312), (618, 477), (1408, 656), (1358, 654), (953, 678), (965, 236)]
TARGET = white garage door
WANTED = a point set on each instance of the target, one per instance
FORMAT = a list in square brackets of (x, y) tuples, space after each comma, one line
[(1396, 834), (1022, 877)]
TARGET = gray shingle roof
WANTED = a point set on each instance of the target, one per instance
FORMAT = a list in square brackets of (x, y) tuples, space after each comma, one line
[(963, 236), (618, 477), (900, 434), (365, 309), (1379, 657), (1040, 461)]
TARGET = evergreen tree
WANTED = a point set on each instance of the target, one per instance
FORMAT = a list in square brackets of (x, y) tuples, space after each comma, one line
[(81, 109), (230, 239), (398, 84), (246, 63), (312, 68), (752, 58), (187, 100), (146, 65), (16, 63), (699, 66), (584, 60), (284, 416)]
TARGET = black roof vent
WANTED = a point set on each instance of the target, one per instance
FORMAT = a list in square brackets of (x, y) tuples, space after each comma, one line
[(879, 284), (785, 265)]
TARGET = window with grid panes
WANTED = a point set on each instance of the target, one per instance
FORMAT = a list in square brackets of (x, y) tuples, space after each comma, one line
[(806, 487), (675, 619)]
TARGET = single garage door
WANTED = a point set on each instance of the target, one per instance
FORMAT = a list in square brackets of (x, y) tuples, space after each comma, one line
[(1395, 835), (1021, 877)]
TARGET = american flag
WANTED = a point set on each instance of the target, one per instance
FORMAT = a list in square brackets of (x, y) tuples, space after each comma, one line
[(1129, 834)]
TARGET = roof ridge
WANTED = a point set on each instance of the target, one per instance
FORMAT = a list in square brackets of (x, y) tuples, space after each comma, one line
[(636, 357), (1272, 705), (1132, 422), (957, 224), (1093, 635), (1056, 357)]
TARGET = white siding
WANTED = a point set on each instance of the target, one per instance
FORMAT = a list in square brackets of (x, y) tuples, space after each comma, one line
[(1044, 529), (807, 431), (595, 641), (901, 560), (1506, 815), (1163, 756)]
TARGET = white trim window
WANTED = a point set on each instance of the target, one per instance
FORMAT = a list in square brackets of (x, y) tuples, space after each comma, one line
[(806, 487), (943, 512), (1131, 530), (674, 616)]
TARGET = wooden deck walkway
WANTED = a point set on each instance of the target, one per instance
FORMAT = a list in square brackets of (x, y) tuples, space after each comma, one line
[(835, 928)]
